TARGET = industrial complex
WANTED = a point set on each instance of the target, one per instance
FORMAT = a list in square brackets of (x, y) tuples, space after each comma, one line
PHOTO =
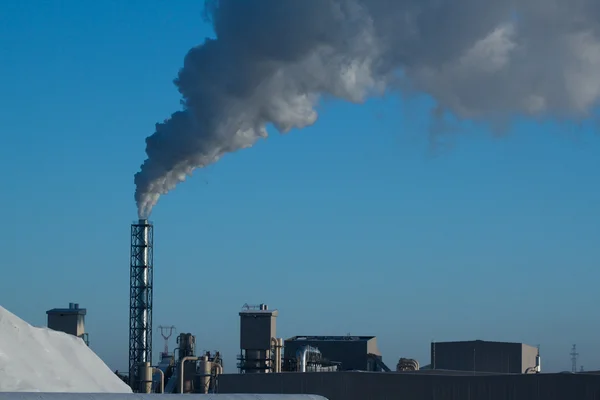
[(336, 367)]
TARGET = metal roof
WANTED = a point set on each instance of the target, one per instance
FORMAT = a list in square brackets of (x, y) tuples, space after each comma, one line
[(73, 310), (476, 341), (78, 311), (257, 309), (330, 338), (258, 312)]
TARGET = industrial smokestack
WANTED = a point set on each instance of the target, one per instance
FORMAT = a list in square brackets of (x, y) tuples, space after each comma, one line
[(140, 300), (272, 61)]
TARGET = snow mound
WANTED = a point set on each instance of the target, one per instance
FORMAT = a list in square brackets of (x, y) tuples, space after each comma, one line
[(42, 360)]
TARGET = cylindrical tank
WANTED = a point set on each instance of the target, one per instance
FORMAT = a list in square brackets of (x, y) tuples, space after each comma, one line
[(145, 371), (204, 373)]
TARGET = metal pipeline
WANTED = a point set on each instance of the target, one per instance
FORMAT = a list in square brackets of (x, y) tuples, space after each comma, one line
[(181, 363), (538, 367), (302, 355), (219, 368), (279, 359), (407, 364), (277, 344), (156, 370)]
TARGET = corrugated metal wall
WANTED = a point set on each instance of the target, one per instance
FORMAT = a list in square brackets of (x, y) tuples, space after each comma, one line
[(482, 356), (395, 386)]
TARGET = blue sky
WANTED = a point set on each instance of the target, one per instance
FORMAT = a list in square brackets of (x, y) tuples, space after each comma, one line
[(352, 225)]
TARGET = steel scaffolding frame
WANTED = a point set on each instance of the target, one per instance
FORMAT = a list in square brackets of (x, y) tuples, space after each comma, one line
[(140, 298)]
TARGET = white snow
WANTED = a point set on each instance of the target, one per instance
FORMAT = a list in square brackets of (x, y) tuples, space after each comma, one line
[(42, 360)]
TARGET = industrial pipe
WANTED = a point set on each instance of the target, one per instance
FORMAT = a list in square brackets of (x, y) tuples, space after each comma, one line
[(156, 370), (407, 364), (279, 357), (145, 374), (302, 354), (181, 362), (218, 367), (538, 365), (277, 345), (218, 371)]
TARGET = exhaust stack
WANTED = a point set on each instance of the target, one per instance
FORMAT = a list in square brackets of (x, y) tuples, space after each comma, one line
[(140, 300)]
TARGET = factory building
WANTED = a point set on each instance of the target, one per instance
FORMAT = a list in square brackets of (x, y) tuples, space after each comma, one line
[(69, 320), (260, 349), (483, 356), (346, 352)]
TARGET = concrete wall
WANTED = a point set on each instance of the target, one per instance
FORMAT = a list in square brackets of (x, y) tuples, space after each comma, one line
[(528, 356), (400, 386), (372, 347)]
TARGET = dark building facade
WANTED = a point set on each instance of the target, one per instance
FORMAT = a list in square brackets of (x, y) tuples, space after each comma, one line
[(484, 356), (349, 352), (418, 386), (258, 329)]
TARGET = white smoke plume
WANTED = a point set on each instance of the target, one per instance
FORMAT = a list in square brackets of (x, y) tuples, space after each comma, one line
[(272, 61)]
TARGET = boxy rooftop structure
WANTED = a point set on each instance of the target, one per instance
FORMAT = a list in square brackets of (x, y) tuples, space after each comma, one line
[(69, 320), (485, 356)]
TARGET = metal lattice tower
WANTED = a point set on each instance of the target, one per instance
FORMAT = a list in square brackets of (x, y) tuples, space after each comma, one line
[(140, 298), (166, 336), (574, 355)]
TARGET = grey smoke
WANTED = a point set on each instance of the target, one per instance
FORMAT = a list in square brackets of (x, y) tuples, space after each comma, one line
[(272, 60)]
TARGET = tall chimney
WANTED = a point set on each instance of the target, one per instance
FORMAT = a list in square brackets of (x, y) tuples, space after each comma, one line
[(140, 300)]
